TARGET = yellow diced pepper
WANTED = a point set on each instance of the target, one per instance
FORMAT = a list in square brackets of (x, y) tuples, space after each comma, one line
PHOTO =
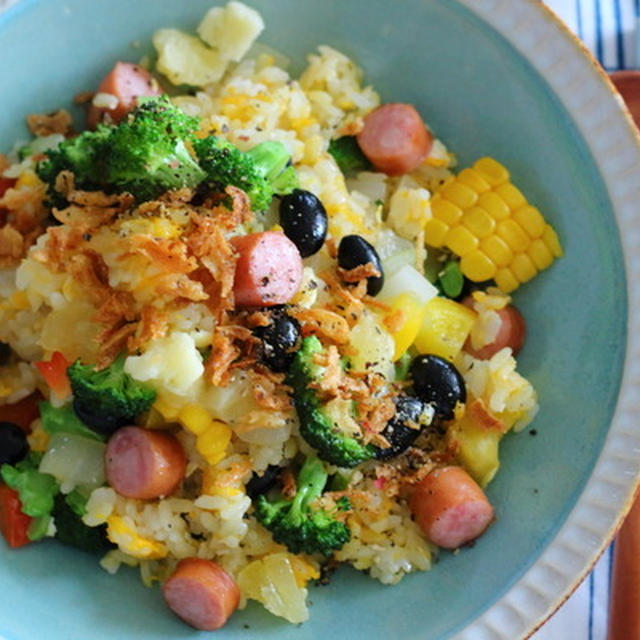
[(445, 328), (404, 321), (477, 449)]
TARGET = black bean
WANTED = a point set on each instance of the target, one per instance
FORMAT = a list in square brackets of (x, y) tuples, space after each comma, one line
[(404, 427), (280, 341), (13, 443), (258, 485), (438, 382), (304, 221), (104, 424), (354, 251)]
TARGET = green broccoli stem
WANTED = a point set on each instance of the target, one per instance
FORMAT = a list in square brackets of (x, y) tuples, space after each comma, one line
[(311, 481), (271, 159)]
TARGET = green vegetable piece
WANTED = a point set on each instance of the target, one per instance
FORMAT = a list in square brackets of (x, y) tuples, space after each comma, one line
[(339, 481), (315, 426), (260, 172), (296, 524), (451, 279), (403, 365), (64, 420), (77, 501), (347, 153), (36, 490), (24, 152), (70, 529), (110, 398), (38, 527), (146, 154)]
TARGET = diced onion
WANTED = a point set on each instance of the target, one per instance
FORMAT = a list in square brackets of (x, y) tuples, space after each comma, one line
[(406, 280)]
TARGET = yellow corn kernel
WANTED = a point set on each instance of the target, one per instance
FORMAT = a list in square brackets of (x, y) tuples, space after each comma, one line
[(531, 220), (523, 267), (494, 205), (445, 328), (28, 179), (155, 420), (213, 443), (505, 280), (477, 266), (485, 220), (493, 172), (511, 195), (169, 411), (461, 241), (473, 179), (208, 481), (497, 250), (550, 238), (303, 570), (459, 194), (19, 300), (38, 439), (479, 222), (195, 419), (404, 321), (444, 210), (513, 234), (435, 231), (540, 254)]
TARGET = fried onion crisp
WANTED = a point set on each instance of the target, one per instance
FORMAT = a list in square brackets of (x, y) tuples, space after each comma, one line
[(45, 124), (325, 324), (11, 246)]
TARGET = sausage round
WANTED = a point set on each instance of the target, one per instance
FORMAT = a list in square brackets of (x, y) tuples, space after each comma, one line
[(144, 464), (127, 82), (395, 139), (450, 507), (512, 333), (202, 593), (268, 270)]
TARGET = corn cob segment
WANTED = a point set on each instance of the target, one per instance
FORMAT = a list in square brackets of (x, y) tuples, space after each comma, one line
[(485, 220)]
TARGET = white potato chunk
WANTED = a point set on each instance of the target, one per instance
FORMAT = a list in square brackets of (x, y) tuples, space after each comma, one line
[(231, 29), (185, 59)]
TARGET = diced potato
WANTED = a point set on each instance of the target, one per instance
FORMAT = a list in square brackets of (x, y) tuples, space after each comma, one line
[(409, 210), (185, 59), (445, 328), (373, 345), (477, 449), (171, 364), (231, 29), (272, 581)]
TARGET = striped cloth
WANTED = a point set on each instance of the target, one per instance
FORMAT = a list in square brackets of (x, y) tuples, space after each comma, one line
[(610, 29)]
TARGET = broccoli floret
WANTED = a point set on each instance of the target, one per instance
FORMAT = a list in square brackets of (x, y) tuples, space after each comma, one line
[(260, 172), (315, 426), (347, 153), (146, 154), (84, 156), (296, 524), (70, 529), (108, 399)]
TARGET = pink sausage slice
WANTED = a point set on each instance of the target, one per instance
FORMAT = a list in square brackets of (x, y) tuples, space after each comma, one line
[(512, 333), (395, 139), (268, 270), (127, 82), (450, 507), (202, 593), (144, 464)]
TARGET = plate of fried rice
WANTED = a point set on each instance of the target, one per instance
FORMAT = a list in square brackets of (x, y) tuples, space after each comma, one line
[(313, 319)]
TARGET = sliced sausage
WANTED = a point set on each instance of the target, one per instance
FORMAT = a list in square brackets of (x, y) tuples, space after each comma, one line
[(202, 593), (126, 82), (268, 270), (395, 139), (511, 333), (144, 464), (450, 507), (23, 412)]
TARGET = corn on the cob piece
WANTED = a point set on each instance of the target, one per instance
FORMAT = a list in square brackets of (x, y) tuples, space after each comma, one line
[(483, 218)]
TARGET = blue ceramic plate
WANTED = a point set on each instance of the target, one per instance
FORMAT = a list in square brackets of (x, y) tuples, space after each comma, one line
[(479, 89)]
